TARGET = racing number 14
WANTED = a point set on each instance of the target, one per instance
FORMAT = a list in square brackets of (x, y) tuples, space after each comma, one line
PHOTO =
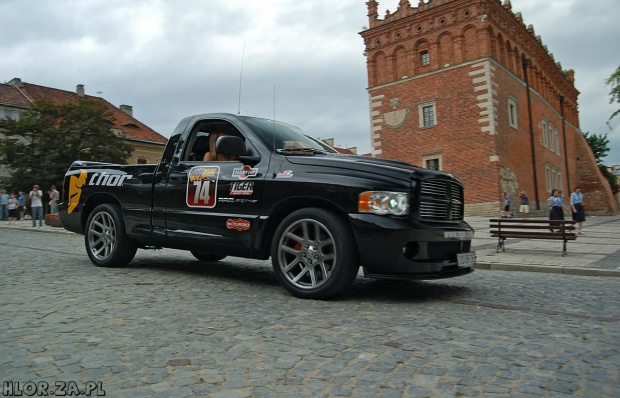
[(202, 191)]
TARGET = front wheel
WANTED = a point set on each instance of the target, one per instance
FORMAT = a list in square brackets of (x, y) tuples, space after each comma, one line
[(314, 254), (107, 243)]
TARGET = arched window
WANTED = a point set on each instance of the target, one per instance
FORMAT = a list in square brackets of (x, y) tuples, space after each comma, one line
[(424, 58)]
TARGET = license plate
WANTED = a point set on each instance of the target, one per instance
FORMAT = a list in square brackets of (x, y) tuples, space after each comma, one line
[(466, 259)]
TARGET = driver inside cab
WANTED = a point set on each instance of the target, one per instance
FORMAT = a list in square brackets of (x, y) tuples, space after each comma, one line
[(212, 155)]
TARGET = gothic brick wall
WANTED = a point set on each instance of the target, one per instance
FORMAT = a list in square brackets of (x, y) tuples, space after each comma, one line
[(464, 60)]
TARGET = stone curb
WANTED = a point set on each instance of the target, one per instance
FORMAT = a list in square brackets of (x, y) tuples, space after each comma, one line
[(46, 228), (581, 271)]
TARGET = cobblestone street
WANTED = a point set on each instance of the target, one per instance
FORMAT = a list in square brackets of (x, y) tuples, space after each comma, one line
[(171, 326)]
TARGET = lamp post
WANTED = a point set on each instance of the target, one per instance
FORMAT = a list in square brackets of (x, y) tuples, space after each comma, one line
[(526, 63)]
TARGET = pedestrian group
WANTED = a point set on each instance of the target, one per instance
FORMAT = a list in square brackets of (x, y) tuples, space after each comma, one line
[(14, 208)]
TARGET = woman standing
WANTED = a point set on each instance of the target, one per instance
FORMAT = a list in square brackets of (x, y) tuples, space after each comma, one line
[(556, 202), (576, 204)]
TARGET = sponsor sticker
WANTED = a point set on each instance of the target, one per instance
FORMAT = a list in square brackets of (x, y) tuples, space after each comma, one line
[(244, 172), (110, 178), (285, 174), (75, 189), (242, 188), (238, 224), (202, 186)]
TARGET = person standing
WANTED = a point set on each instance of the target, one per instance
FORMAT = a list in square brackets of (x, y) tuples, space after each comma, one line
[(21, 199), (576, 204), (12, 206), (525, 205), (556, 202), (506, 206), (36, 206), (4, 200), (53, 193)]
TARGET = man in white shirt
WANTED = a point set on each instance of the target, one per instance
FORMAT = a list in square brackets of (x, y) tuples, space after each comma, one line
[(36, 206)]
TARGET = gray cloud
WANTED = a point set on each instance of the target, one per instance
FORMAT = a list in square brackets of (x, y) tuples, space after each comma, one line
[(173, 59)]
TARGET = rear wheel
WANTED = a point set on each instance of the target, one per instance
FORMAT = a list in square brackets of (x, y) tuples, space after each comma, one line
[(314, 254), (207, 257), (107, 243)]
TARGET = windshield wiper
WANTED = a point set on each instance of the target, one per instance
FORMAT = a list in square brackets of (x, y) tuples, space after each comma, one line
[(300, 151)]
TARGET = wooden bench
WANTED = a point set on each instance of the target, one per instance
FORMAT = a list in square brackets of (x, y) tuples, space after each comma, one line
[(503, 228)]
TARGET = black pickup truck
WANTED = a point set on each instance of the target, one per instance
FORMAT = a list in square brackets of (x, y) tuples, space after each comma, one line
[(318, 214)]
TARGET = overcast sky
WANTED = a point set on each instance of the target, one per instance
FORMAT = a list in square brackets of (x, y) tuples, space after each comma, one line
[(171, 59)]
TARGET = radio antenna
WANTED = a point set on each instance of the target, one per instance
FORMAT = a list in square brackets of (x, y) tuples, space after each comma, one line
[(274, 118), (240, 79)]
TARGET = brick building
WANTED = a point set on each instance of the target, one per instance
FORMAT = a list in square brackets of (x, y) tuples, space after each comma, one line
[(448, 87), (148, 145)]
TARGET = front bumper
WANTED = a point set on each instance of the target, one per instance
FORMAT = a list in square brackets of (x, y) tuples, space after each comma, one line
[(406, 249)]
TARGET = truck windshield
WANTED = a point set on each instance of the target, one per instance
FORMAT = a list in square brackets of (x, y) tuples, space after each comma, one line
[(287, 139)]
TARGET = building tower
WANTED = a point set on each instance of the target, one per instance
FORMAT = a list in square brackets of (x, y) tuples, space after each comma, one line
[(464, 86)]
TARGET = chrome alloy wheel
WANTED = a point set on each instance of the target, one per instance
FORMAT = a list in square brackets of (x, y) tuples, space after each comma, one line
[(307, 254), (102, 236)]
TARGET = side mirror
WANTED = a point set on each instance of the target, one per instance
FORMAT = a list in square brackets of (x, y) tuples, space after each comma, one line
[(230, 145)]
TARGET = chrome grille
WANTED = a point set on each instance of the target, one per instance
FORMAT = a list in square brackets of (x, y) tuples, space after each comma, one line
[(441, 200)]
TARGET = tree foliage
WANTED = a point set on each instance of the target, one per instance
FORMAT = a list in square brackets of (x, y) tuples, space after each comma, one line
[(600, 147), (40, 147), (614, 81)]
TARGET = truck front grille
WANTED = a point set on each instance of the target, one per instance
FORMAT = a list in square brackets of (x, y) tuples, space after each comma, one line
[(441, 200)]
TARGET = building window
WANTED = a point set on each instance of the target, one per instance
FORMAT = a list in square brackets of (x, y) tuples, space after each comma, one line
[(432, 164), (545, 137), (433, 161), (551, 139), (8, 114), (428, 115), (554, 178), (556, 135), (424, 58), (512, 112)]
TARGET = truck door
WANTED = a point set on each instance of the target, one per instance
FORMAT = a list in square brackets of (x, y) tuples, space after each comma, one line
[(213, 205)]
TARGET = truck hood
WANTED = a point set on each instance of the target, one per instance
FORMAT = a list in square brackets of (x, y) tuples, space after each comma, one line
[(386, 167)]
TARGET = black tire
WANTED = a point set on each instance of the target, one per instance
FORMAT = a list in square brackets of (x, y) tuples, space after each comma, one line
[(207, 257), (314, 254), (107, 243)]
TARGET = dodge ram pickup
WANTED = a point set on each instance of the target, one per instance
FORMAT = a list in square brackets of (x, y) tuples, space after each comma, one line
[(279, 193)]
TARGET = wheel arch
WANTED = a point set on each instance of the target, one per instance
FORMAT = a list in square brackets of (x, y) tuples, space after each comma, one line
[(285, 208), (95, 200)]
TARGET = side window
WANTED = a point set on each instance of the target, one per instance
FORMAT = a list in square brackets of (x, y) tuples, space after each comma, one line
[(202, 140)]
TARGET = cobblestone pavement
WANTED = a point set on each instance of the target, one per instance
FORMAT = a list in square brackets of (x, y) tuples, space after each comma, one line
[(170, 326)]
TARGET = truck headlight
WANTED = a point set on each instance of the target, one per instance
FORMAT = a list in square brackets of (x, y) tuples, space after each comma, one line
[(380, 202)]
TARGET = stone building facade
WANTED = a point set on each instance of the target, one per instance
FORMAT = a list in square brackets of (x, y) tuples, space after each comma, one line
[(448, 89), (148, 145)]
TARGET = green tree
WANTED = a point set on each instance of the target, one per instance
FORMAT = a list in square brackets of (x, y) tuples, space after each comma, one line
[(614, 81), (40, 147), (600, 148), (599, 145)]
